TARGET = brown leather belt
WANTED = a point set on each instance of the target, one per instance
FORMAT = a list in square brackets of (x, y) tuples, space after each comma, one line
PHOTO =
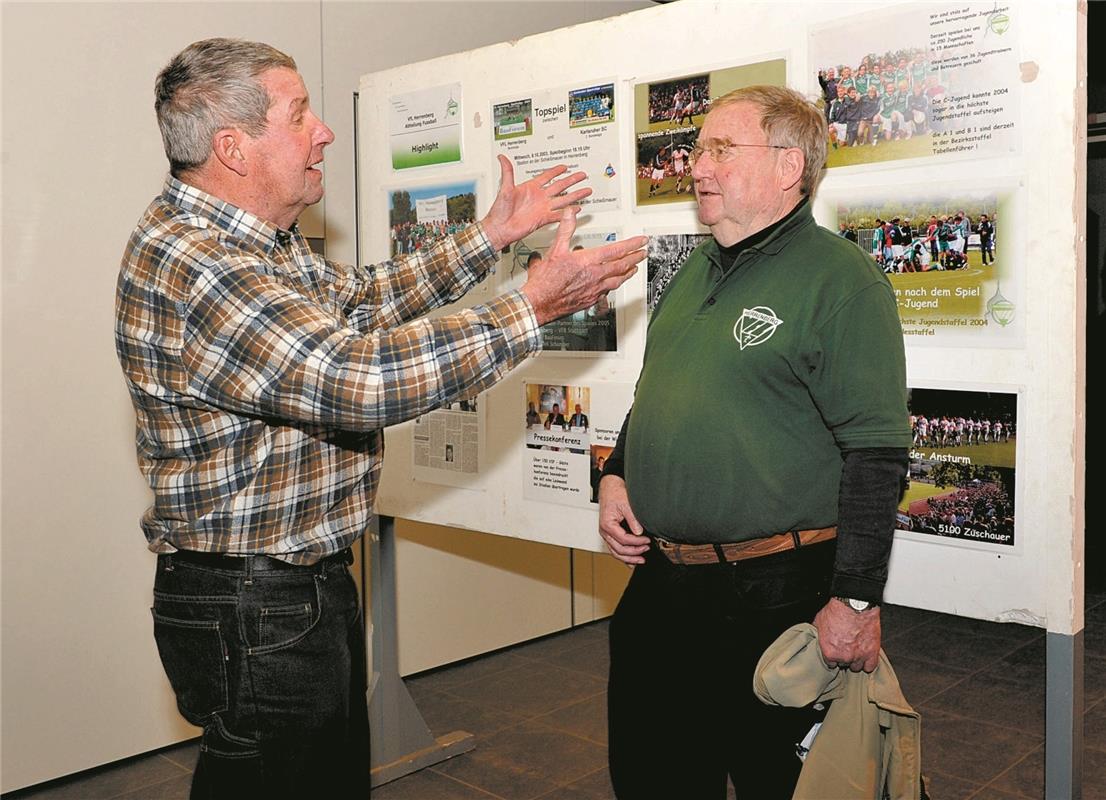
[(693, 554)]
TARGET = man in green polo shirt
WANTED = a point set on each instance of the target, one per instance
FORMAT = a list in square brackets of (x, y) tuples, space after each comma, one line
[(756, 478)]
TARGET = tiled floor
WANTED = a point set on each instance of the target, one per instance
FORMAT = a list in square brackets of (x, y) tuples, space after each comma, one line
[(538, 713)]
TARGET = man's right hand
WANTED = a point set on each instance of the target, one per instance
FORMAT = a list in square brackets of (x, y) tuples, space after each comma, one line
[(565, 280), (617, 524)]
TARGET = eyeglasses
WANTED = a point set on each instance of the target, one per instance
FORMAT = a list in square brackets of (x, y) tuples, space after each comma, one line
[(722, 150)]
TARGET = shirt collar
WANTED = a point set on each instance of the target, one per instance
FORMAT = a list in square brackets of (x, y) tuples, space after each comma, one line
[(228, 217), (769, 240)]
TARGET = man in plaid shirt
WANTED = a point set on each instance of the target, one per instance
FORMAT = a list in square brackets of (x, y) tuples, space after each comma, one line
[(261, 377)]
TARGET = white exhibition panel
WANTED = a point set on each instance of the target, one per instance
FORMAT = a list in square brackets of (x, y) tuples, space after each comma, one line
[(1035, 359)]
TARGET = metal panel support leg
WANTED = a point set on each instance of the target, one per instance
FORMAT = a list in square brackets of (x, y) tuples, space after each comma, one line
[(401, 741), (1064, 717)]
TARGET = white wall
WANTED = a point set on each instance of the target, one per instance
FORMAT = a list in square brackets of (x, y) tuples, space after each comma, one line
[(81, 158)]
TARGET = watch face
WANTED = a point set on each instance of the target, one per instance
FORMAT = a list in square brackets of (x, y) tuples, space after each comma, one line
[(859, 605)]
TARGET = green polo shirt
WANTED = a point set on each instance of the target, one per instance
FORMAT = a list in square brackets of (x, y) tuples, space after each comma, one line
[(756, 379)]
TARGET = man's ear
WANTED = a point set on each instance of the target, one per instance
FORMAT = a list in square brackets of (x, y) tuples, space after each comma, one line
[(226, 147), (791, 168)]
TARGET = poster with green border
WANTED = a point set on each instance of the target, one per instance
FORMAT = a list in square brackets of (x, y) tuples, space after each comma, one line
[(425, 127)]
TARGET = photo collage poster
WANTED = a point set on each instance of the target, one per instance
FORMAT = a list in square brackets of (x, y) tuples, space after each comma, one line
[(667, 116), (951, 252), (960, 484), (570, 430), (571, 125), (919, 81)]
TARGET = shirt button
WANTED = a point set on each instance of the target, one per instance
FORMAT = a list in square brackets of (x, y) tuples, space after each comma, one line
[(710, 302)]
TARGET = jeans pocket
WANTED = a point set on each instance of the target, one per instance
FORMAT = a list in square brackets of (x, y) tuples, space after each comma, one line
[(282, 614), (282, 624), (194, 655)]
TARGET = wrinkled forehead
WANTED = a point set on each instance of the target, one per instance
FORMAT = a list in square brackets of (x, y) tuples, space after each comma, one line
[(285, 88), (738, 122)]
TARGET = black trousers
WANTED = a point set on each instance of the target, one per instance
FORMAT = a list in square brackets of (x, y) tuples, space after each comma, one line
[(269, 659), (684, 642)]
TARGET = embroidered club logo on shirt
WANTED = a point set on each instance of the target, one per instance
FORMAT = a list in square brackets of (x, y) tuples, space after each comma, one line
[(755, 326)]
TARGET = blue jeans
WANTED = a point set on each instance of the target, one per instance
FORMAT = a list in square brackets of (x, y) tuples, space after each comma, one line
[(269, 659), (684, 642)]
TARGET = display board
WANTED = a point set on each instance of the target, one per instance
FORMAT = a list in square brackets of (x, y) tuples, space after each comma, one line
[(975, 124)]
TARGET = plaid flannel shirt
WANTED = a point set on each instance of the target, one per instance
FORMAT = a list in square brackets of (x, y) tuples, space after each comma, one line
[(261, 374)]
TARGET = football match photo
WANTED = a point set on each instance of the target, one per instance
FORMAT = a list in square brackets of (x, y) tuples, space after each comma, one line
[(962, 463)]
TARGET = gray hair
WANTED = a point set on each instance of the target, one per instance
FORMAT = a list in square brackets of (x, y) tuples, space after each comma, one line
[(789, 120), (212, 84)]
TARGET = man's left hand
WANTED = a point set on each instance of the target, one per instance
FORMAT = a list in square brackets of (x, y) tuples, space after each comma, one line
[(520, 210), (848, 639)]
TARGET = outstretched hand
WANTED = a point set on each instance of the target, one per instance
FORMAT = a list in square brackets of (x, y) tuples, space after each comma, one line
[(520, 210), (566, 280)]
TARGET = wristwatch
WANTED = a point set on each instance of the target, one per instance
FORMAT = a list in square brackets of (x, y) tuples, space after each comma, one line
[(857, 605)]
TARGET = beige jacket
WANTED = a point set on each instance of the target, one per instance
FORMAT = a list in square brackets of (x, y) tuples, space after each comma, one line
[(870, 743)]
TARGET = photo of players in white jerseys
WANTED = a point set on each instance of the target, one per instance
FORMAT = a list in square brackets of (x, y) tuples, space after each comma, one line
[(665, 254), (962, 461), (680, 100), (667, 116)]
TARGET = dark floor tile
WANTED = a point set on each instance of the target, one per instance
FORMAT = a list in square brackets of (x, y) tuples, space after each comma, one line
[(971, 750), (586, 719), (1010, 631), (951, 647), (1094, 598), (105, 782), (920, 680), (1026, 664), (991, 793), (184, 755), (526, 761), (1094, 678), (1027, 777), (948, 787), (1094, 726), (1094, 632), (444, 678), (554, 647), (982, 697), (428, 785), (593, 658), (596, 786), (531, 690), (897, 620), (445, 713), (1094, 773), (174, 789)]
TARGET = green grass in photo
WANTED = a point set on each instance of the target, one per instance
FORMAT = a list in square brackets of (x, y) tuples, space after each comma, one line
[(914, 147), (666, 193), (992, 454), (971, 277), (922, 490)]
